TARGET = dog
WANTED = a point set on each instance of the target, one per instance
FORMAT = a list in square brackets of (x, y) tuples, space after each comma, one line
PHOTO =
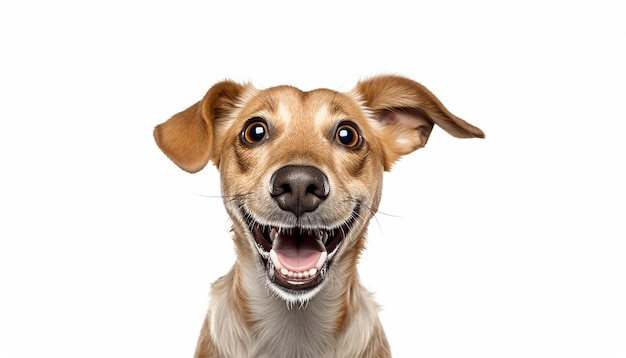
[(301, 177)]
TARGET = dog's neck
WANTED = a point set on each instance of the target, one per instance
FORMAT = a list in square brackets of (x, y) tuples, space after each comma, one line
[(265, 322)]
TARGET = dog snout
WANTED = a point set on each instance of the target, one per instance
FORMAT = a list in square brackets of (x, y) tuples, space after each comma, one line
[(299, 189)]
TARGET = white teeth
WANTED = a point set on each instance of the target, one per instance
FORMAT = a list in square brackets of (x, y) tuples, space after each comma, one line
[(303, 274), (275, 260), (322, 260)]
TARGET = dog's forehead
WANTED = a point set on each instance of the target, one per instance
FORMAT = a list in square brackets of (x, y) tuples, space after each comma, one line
[(290, 104)]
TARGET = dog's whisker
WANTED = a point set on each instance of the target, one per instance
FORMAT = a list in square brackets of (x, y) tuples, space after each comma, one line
[(209, 196), (226, 198)]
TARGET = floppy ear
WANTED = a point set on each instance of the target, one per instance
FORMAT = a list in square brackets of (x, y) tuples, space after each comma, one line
[(188, 137), (407, 112)]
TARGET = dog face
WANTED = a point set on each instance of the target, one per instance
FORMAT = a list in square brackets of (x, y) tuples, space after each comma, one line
[(301, 172), (309, 174)]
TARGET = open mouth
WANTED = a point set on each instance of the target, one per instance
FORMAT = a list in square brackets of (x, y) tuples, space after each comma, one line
[(297, 259)]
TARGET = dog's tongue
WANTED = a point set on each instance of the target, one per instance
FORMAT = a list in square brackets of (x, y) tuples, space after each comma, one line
[(298, 252)]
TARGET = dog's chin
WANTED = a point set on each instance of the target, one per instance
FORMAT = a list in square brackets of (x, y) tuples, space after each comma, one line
[(296, 260)]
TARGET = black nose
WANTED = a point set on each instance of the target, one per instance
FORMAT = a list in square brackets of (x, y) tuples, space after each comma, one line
[(299, 189)]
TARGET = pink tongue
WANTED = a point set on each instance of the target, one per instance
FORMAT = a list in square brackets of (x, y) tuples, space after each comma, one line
[(298, 253)]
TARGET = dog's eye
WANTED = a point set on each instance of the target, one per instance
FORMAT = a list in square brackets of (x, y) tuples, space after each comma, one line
[(255, 131), (348, 136)]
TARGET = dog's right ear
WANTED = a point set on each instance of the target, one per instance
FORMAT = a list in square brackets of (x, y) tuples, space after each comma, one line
[(188, 138), (407, 112)]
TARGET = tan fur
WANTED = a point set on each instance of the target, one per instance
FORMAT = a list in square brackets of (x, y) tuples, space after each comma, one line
[(249, 314)]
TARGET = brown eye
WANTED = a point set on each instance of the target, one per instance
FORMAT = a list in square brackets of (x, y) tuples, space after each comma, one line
[(348, 136), (255, 131)]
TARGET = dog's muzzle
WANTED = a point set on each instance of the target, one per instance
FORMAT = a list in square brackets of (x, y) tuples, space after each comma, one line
[(297, 258)]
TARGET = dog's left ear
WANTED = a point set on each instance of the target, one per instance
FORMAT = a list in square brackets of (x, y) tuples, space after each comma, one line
[(191, 138), (408, 111)]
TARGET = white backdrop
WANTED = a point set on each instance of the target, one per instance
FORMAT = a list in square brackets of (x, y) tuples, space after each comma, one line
[(510, 246)]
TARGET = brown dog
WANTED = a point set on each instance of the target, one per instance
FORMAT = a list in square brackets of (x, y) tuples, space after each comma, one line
[(301, 177)]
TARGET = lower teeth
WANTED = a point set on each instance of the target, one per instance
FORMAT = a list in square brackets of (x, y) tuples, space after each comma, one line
[(302, 274), (305, 274)]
